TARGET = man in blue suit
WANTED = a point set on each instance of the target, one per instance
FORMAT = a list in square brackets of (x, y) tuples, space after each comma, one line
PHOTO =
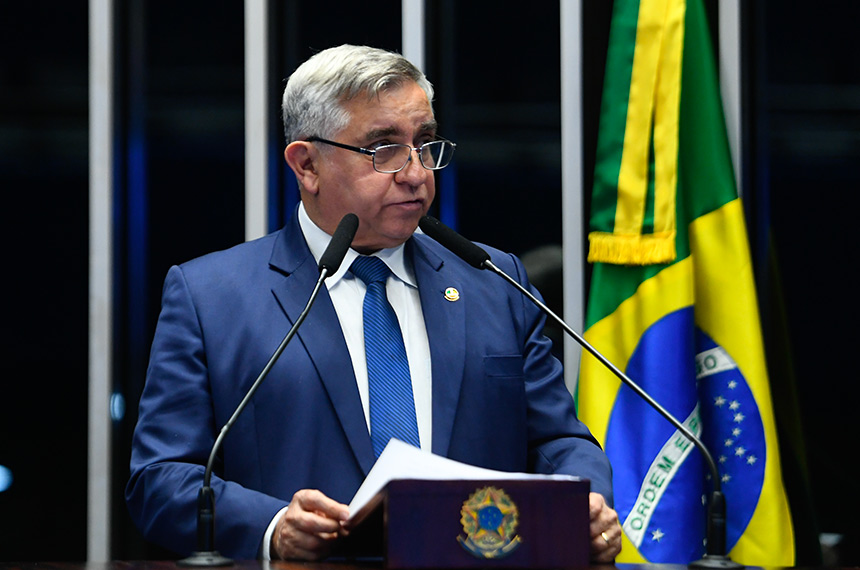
[(361, 139)]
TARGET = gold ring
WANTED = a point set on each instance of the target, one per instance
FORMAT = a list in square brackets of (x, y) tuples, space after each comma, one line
[(606, 538)]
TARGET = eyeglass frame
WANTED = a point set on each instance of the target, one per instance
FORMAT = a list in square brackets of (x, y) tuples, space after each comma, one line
[(372, 152)]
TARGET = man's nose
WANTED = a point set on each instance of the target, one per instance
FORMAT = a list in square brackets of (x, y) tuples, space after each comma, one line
[(414, 172)]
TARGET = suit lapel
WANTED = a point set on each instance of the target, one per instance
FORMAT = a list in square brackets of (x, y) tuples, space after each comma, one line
[(321, 336), (446, 330)]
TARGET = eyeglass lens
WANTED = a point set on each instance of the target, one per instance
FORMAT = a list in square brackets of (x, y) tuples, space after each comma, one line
[(392, 158)]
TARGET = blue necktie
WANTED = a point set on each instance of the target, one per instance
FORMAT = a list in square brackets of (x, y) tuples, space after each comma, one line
[(392, 408)]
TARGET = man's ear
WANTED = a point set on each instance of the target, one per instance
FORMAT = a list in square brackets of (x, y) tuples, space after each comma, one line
[(302, 157)]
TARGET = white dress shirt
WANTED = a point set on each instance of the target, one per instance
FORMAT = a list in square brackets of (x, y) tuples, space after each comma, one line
[(347, 296)]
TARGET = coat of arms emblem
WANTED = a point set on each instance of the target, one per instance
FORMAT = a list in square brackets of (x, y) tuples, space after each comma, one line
[(489, 519)]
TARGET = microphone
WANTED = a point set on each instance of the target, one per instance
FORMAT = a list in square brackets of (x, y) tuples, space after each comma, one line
[(340, 242), (206, 555), (457, 244), (475, 256)]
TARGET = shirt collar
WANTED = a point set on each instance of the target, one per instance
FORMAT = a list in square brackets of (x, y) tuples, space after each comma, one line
[(318, 241)]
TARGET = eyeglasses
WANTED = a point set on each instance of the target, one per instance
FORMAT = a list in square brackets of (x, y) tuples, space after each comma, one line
[(391, 158)]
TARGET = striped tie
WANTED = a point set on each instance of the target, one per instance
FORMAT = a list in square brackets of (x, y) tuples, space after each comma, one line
[(392, 408)]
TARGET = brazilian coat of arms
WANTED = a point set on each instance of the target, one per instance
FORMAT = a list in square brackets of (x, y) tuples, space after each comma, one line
[(489, 519)]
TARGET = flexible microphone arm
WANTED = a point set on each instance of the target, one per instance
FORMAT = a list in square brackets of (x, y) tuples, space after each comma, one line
[(206, 555), (480, 259)]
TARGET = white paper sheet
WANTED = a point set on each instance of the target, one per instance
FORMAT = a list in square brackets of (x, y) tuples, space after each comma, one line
[(402, 461)]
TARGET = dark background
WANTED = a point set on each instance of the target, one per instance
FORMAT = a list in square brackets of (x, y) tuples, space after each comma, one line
[(180, 177)]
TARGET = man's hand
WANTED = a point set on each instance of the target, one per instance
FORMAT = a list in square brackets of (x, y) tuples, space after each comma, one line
[(605, 530), (308, 529)]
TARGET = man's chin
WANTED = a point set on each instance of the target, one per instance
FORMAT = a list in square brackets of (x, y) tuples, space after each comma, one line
[(370, 244)]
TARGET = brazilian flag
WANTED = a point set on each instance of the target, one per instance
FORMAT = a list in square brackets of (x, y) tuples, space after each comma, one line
[(673, 303)]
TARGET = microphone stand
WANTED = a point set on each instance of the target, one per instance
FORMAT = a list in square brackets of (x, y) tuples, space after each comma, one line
[(206, 555), (715, 556)]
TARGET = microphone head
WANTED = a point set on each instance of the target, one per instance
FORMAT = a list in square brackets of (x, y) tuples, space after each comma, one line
[(340, 242), (460, 246)]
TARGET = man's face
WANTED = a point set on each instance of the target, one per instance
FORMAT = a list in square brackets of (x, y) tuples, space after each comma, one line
[(388, 206)]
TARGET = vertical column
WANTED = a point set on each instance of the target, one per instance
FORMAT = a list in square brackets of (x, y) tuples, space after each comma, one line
[(413, 31), (571, 179), (101, 105), (256, 118), (730, 79)]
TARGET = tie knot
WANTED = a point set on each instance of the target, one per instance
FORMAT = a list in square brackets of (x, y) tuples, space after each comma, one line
[(370, 269)]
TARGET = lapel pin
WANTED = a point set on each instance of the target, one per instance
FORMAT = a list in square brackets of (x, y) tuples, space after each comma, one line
[(452, 294)]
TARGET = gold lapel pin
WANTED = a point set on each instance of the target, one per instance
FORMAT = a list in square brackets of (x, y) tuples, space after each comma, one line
[(452, 294)]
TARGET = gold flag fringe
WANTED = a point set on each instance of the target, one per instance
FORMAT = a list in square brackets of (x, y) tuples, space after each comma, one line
[(635, 249)]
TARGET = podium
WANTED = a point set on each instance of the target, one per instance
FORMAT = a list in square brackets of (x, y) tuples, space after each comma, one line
[(494, 523)]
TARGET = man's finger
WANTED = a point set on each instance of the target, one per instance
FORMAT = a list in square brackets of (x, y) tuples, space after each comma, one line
[(315, 501), (312, 522), (596, 504)]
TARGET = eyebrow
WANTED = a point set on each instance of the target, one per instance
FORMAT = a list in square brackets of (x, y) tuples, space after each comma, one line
[(430, 126), (380, 133), (390, 131)]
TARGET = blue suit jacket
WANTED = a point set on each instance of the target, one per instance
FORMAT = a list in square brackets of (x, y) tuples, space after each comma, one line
[(498, 400)]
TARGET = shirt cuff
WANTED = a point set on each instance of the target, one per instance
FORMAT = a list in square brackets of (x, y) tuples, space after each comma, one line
[(265, 553)]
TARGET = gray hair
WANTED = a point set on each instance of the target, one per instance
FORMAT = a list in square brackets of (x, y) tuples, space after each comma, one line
[(315, 93)]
